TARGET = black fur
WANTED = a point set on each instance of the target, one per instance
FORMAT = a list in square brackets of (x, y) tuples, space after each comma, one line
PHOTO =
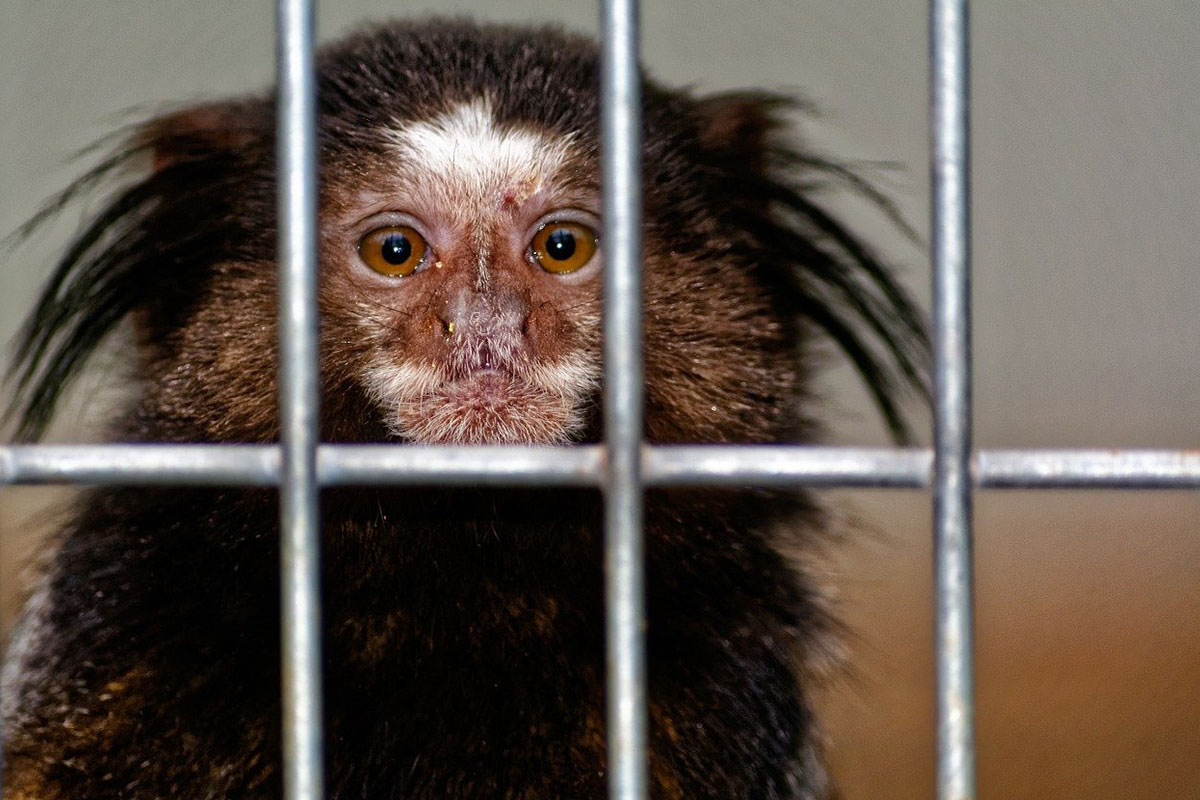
[(464, 628)]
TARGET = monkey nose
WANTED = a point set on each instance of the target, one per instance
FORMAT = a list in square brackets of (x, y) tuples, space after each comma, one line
[(468, 311)]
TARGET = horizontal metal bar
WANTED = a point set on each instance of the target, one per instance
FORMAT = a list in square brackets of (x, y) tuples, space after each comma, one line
[(141, 464), (662, 465), (360, 465), (259, 465), (342, 465), (786, 465), (1088, 469)]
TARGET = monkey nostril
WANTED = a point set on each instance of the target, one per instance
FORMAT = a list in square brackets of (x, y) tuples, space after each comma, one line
[(440, 324)]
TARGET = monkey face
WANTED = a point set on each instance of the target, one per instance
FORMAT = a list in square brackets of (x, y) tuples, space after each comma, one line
[(465, 277), (461, 262)]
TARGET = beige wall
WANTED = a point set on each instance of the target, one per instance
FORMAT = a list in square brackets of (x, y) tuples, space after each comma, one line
[(1087, 195)]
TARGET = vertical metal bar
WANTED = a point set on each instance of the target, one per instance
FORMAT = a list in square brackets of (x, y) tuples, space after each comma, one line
[(303, 776), (952, 395), (625, 607)]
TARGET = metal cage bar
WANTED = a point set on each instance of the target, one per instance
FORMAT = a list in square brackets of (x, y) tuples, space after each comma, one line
[(683, 465), (300, 543), (620, 153), (952, 483)]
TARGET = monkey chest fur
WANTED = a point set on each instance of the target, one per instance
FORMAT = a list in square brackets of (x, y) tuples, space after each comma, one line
[(463, 641)]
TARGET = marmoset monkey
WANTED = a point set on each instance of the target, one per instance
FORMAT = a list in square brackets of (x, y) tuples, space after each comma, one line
[(461, 251)]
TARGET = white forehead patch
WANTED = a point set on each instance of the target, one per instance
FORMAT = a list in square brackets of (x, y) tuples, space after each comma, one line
[(467, 155)]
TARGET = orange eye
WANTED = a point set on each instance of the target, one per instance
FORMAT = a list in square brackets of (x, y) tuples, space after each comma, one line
[(396, 250), (562, 247)]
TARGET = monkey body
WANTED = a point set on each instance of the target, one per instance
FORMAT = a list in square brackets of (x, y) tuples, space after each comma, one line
[(467, 662), (460, 259)]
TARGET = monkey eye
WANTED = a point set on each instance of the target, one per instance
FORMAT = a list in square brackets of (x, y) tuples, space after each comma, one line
[(562, 247), (396, 250)]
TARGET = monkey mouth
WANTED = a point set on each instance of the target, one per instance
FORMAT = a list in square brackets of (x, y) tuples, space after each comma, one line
[(485, 375), (484, 399), (485, 357), (487, 406), (486, 387)]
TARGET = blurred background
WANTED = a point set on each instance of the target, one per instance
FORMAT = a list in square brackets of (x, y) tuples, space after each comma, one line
[(1086, 146)]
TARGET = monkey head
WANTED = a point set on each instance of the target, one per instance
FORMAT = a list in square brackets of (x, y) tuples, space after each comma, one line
[(461, 254)]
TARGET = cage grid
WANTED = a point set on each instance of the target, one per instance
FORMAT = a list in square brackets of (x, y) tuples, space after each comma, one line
[(623, 465)]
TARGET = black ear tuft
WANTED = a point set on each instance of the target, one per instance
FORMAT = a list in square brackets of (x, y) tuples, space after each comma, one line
[(198, 132), (833, 279), (736, 127), (150, 246)]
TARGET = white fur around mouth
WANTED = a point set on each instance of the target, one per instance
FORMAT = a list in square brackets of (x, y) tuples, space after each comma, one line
[(484, 387), (541, 405)]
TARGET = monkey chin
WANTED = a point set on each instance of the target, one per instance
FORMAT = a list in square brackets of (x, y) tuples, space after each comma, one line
[(539, 405)]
